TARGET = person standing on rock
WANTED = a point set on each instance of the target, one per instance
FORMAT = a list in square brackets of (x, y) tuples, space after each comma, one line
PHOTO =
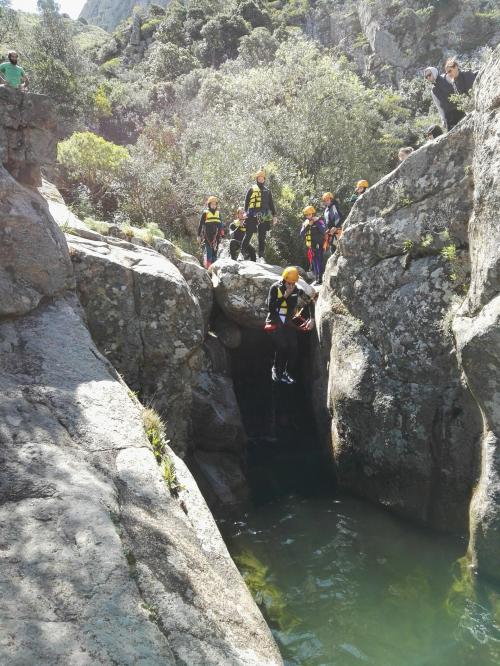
[(260, 211), (461, 80), (237, 233), (333, 217), (282, 324), (313, 232), (11, 74), (210, 231), (361, 187), (441, 92)]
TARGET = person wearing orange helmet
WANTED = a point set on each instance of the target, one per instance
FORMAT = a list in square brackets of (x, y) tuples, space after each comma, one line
[(313, 232), (361, 187), (210, 231), (283, 305)]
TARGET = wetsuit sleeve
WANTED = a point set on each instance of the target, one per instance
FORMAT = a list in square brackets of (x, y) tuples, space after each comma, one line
[(271, 204), (272, 305), (202, 224), (247, 199)]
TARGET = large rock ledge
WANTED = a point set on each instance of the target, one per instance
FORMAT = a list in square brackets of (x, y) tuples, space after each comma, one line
[(413, 380), (100, 564)]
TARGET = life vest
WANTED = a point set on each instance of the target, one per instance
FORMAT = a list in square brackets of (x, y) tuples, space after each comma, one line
[(255, 198), (308, 236), (211, 216), (238, 225)]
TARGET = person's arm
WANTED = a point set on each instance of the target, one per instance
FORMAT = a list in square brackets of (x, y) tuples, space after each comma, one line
[(25, 80), (247, 199), (303, 229), (3, 80), (439, 107), (201, 225), (271, 204), (272, 305)]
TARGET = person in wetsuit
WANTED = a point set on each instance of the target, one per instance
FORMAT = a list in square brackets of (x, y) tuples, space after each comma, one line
[(282, 324), (237, 230), (260, 210), (313, 231), (210, 231)]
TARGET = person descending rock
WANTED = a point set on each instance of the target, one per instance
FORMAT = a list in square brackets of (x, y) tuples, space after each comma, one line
[(284, 320), (260, 210), (361, 187), (432, 132), (11, 74), (313, 231), (210, 231), (333, 217), (237, 232), (441, 92)]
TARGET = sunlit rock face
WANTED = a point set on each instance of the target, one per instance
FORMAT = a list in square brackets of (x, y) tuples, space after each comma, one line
[(405, 431), (108, 13), (408, 326), (100, 563)]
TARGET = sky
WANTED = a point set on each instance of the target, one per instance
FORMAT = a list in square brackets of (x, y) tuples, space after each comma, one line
[(71, 7)]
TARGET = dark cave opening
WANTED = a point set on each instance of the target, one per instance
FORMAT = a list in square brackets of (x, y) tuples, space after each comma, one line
[(284, 455)]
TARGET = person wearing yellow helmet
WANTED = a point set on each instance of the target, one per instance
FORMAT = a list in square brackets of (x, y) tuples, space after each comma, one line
[(283, 304), (361, 187), (210, 231), (313, 232), (260, 211)]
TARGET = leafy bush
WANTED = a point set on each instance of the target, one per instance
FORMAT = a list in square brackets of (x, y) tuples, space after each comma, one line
[(92, 161)]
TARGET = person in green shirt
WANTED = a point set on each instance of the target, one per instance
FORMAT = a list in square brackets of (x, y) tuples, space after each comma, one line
[(11, 74)]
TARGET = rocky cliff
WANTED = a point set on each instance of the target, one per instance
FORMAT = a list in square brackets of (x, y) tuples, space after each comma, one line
[(101, 563), (413, 410), (109, 13), (393, 40)]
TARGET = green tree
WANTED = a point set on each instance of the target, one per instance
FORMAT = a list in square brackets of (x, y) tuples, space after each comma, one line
[(221, 36), (8, 19), (57, 67), (90, 160), (168, 61)]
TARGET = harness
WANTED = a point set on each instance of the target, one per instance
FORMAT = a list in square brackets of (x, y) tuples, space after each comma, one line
[(283, 308)]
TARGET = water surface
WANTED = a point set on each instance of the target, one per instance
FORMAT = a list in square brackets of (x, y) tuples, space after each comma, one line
[(342, 582)]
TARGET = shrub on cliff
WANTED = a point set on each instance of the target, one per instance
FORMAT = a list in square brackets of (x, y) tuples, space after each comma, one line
[(91, 161)]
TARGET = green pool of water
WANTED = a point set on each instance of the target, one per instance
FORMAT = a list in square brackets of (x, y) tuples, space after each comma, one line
[(342, 582)]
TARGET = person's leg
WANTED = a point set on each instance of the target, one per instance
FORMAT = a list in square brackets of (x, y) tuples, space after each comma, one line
[(251, 227), (280, 356), (251, 253), (234, 248), (261, 233), (453, 118)]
